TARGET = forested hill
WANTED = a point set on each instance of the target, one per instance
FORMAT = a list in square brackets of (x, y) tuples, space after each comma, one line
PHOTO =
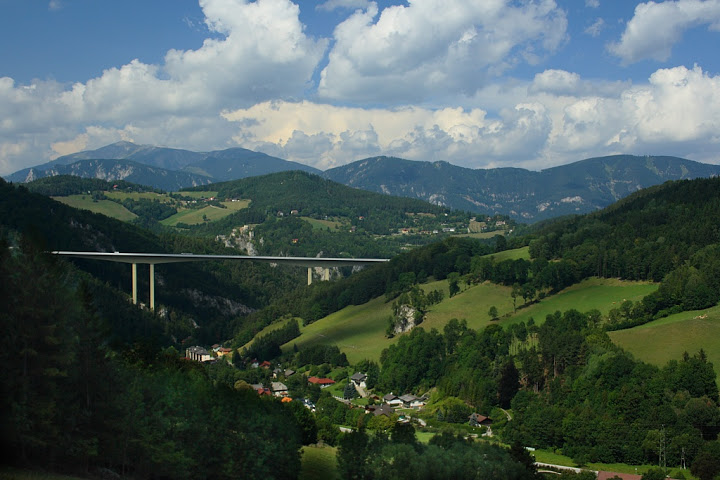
[(90, 384), (527, 196), (644, 236), (668, 233), (312, 195), (302, 214)]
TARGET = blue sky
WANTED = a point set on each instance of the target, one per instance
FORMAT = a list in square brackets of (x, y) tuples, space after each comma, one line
[(489, 83)]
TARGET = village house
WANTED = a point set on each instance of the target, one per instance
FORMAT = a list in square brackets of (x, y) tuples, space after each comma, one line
[(197, 354), (392, 400), (378, 410), (476, 420), (323, 382), (279, 389), (359, 380), (222, 351), (411, 401), (258, 387)]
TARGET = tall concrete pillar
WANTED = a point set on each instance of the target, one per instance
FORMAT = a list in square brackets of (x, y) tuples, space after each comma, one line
[(134, 283), (309, 275), (152, 286), (326, 274)]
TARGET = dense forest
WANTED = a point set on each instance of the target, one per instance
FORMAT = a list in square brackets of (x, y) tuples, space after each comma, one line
[(86, 386)]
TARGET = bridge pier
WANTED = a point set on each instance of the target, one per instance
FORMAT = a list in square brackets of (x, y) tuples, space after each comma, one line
[(134, 283), (152, 285), (324, 277)]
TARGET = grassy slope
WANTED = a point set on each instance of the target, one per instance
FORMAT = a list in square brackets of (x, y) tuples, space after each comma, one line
[(600, 293), (211, 212), (319, 463), (120, 195), (667, 338), (514, 254), (359, 330), (471, 304), (317, 224), (105, 207)]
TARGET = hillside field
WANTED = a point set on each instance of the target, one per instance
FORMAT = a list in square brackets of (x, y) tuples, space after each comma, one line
[(602, 294), (667, 338), (319, 462), (196, 216), (513, 254), (359, 330), (105, 207), (121, 195)]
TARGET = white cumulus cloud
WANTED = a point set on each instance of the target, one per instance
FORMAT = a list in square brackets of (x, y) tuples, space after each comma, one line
[(556, 118), (259, 51), (410, 53), (656, 27)]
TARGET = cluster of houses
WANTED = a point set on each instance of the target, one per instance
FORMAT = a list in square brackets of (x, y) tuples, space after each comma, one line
[(199, 354), (384, 406), (405, 401)]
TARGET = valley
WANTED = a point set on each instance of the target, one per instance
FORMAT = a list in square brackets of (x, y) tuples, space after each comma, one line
[(540, 330)]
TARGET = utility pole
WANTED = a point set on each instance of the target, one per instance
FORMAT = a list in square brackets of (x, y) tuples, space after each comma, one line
[(663, 463), (682, 459)]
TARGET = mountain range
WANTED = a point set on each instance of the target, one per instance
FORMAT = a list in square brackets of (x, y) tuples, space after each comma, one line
[(525, 195)]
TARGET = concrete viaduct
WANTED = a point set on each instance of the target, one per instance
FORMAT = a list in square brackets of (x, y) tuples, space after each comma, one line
[(153, 259)]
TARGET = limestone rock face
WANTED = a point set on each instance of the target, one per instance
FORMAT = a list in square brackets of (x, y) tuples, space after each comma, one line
[(406, 319)]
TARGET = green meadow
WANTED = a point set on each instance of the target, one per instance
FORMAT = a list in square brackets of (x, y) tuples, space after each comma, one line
[(105, 207), (120, 195), (514, 254), (319, 463), (602, 294), (359, 330), (323, 224), (471, 304), (483, 235), (667, 338), (196, 216), (198, 195)]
